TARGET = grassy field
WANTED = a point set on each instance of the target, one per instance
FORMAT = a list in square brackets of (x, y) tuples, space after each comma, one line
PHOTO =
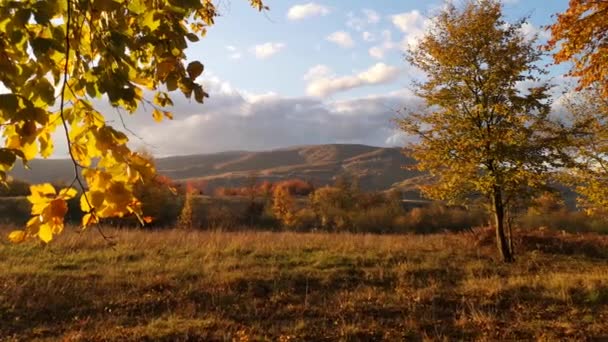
[(176, 285)]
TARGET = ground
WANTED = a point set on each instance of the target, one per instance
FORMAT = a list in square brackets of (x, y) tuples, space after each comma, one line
[(177, 285)]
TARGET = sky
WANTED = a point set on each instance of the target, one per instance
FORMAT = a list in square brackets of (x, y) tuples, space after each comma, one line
[(326, 71)]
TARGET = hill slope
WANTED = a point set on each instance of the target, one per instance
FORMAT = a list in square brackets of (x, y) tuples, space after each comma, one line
[(375, 168)]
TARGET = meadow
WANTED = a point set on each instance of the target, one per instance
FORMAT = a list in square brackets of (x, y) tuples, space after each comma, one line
[(178, 285)]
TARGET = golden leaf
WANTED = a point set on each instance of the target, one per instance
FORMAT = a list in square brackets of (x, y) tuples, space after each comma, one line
[(17, 236)]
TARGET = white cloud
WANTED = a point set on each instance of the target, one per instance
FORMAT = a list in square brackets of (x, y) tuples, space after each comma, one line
[(232, 121), (368, 36), (366, 18), (372, 16), (413, 25), (408, 22), (388, 44), (317, 72), (267, 50), (377, 52), (341, 38), (311, 9), (531, 31), (325, 84), (234, 52)]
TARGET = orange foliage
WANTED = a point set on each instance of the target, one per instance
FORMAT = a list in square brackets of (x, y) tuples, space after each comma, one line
[(295, 187), (581, 36)]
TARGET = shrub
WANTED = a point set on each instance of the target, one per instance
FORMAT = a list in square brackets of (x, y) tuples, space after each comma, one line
[(569, 221), (160, 201), (14, 211), (437, 217), (15, 188), (305, 220), (185, 216), (283, 206)]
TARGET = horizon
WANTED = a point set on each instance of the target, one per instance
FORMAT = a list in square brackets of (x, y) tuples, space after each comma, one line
[(284, 148)]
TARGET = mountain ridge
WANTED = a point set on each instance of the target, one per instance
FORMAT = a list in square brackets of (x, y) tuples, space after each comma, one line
[(375, 168)]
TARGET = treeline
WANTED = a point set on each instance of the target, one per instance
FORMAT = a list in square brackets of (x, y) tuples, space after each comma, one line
[(297, 205)]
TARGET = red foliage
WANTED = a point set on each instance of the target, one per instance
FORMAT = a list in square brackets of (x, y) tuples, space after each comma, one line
[(295, 187)]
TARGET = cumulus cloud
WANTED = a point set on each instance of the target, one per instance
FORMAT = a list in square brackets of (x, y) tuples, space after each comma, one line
[(325, 84), (235, 120), (342, 39), (311, 9), (267, 50), (413, 24), (317, 72)]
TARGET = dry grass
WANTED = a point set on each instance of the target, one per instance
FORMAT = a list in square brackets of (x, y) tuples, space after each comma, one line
[(177, 285)]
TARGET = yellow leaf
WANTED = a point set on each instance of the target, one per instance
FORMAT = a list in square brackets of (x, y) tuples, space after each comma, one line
[(40, 196), (56, 210), (45, 233), (89, 219), (68, 193), (17, 236), (30, 150), (41, 192), (84, 204), (157, 115)]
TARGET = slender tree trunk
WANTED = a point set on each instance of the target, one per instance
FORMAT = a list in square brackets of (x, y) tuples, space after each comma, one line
[(499, 225)]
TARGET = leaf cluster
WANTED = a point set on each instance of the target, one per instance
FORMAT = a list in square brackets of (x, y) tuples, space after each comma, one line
[(580, 35), (58, 58)]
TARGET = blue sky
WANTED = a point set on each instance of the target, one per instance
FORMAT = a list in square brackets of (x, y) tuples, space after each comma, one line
[(327, 71), (305, 44)]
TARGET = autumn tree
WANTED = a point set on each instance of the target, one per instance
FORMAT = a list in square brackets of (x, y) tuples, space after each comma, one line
[(333, 204), (185, 220), (58, 59), (283, 205), (580, 35), (481, 133), (588, 113)]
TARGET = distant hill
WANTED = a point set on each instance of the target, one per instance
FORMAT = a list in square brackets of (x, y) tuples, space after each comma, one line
[(375, 168)]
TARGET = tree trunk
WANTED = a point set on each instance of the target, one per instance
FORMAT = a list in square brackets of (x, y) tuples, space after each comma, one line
[(499, 224)]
